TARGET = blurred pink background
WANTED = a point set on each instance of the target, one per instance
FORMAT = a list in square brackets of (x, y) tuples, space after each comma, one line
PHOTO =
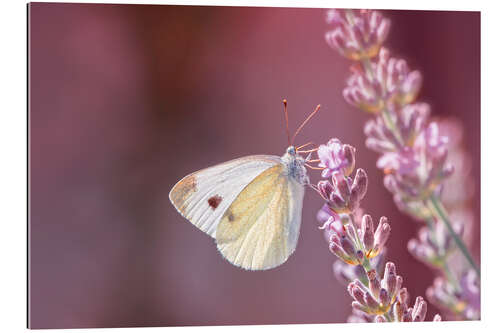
[(127, 99)]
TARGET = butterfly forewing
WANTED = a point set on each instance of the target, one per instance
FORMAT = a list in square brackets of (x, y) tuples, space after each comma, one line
[(260, 229), (203, 196)]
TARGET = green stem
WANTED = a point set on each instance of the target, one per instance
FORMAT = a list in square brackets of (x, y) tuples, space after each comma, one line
[(367, 65), (444, 264), (450, 276), (367, 266), (443, 216)]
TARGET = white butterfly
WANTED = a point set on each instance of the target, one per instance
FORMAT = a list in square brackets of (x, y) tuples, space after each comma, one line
[(252, 205)]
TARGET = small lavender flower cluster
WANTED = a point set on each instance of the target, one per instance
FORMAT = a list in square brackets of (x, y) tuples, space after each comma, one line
[(368, 32), (434, 248), (463, 302), (353, 238), (414, 151)]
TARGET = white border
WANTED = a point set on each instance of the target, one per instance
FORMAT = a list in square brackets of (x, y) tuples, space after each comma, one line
[(13, 172)]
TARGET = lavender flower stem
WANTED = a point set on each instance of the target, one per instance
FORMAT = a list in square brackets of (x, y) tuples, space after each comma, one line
[(444, 264), (438, 208), (367, 65), (451, 277), (366, 265)]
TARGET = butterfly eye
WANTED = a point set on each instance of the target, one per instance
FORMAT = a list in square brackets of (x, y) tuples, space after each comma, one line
[(291, 150)]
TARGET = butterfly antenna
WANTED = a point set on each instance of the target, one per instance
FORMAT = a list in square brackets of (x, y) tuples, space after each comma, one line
[(305, 122), (286, 121)]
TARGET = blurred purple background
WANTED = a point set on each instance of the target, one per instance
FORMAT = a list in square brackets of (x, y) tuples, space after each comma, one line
[(127, 99)]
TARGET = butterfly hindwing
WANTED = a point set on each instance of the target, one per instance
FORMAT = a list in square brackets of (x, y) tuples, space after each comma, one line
[(260, 228)]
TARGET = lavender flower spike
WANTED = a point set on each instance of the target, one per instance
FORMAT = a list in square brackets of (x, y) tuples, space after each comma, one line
[(357, 244), (414, 153)]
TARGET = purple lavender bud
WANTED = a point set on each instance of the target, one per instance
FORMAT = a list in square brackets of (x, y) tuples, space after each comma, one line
[(384, 55), (356, 292), (336, 40), (398, 312), (390, 282), (350, 96), (399, 284), (403, 295), (324, 214), (329, 235), (335, 17), (332, 231), (349, 153), (336, 249), (342, 185), (335, 238), (436, 144), (357, 35), (390, 268), (419, 309), (349, 228), (375, 18), (348, 246), (371, 129), (411, 86), (401, 67), (367, 235), (370, 301), (325, 189), (359, 187), (363, 94), (373, 282), (383, 30), (384, 297), (382, 233)]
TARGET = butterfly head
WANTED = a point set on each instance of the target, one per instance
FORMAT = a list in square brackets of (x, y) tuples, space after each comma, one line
[(292, 151), (295, 165)]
